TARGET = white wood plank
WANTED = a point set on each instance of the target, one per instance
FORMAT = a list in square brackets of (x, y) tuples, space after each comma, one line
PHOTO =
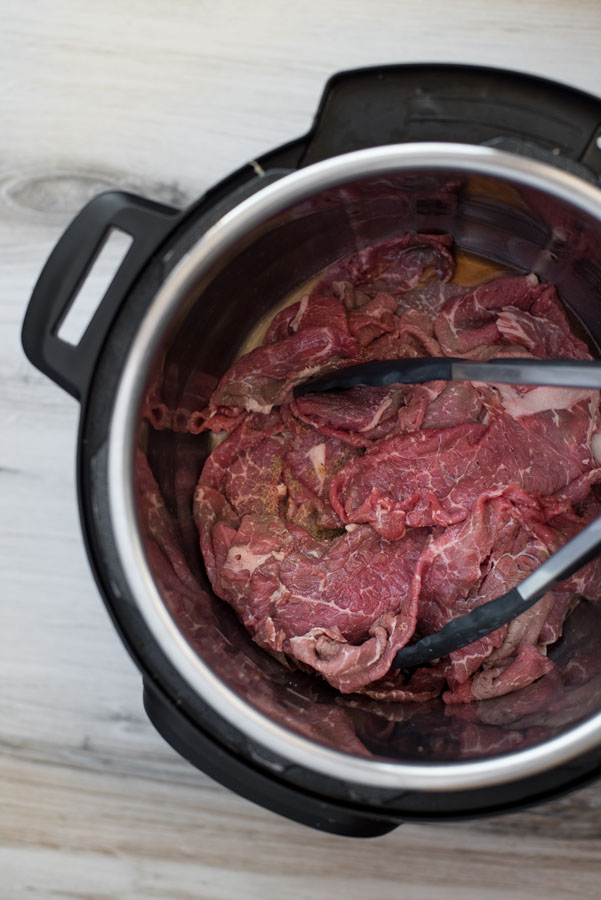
[(151, 837), (164, 98)]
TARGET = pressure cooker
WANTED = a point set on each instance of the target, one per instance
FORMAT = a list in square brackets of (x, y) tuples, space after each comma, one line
[(510, 166)]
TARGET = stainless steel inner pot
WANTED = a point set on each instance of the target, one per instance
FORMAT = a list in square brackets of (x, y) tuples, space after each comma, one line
[(513, 210)]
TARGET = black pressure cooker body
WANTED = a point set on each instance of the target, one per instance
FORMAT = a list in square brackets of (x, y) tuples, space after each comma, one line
[(359, 109)]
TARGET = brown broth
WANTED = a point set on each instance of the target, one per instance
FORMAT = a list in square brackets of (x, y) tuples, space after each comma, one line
[(472, 270)]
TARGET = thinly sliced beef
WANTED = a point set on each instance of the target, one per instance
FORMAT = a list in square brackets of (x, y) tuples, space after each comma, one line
[(374, 318), (342, 608), (312, 311), (168, 404), (505, 539), (458, 403), (395, 266), (341, 525), (363, 415), (413, 337), (417, 480), (254, 428), (508, 675), (311, 461), (508, 311), (432, 477), (254, 676), (154, 407), (195, 396), (217, 525), (264, 377), (252, 481), (430, 298)]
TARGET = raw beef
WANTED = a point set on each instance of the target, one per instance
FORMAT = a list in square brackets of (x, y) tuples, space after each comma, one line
[(255, 676), (433, 476), (340, 526)]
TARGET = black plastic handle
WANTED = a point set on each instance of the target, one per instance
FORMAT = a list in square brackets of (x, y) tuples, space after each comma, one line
[(395, 104), (148, 223), (256, 783)]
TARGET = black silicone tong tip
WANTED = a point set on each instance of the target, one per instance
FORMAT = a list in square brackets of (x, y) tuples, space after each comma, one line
[(503, 370), (379, 373)]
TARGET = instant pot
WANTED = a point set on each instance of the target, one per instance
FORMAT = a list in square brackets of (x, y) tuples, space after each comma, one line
[(508, 164)]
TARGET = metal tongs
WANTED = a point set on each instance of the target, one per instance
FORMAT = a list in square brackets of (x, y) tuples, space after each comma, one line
[(561, 565)]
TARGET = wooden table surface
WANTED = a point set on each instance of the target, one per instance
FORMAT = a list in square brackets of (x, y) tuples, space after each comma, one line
[(164, 97)]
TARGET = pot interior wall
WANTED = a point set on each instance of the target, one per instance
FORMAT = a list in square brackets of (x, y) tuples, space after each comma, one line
[(514, 226)]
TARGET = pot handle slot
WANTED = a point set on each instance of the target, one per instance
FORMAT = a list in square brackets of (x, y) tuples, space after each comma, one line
[(148, 224)]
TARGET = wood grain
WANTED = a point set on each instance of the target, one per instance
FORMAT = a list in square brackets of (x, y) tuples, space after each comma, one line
[(163, 98)]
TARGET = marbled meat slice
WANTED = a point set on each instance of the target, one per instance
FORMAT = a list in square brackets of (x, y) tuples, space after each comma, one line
[(340, 525)]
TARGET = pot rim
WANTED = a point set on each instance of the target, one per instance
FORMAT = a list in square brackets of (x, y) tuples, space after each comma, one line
[(271, 200)]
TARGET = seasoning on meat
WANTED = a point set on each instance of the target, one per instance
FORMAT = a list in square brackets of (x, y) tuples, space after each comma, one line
[(340, 525)]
